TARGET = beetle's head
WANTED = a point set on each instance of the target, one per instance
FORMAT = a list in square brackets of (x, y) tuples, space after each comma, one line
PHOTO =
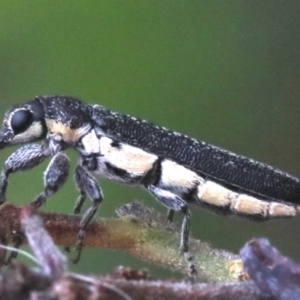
[(23, 124)]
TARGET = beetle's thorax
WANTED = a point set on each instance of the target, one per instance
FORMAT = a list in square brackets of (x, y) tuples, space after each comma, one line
[(66, 118)]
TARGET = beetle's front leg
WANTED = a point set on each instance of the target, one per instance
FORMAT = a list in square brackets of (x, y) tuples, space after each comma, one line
[(55, 176), (87, 186), (23, 159)]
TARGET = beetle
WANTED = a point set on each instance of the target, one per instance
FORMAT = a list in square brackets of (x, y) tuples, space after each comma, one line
[(174, 168)]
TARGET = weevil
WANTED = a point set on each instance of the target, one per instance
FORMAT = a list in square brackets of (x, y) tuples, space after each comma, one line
[(176, 169)]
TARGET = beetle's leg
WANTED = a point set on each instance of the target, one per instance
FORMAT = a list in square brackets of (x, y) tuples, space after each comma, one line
[(25, 158), (176, 203), (17, 241), (170, 215), (80, 201), (87, 186), (55, 176), (88, 163)]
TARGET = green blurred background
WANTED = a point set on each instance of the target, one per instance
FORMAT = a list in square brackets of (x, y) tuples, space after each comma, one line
[(226, 72)]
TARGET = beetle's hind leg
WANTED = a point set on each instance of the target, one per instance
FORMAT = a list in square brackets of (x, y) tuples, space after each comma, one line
[(88, 186), (176, 203)]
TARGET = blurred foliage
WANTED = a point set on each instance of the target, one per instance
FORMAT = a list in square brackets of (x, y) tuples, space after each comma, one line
[(226, 72)]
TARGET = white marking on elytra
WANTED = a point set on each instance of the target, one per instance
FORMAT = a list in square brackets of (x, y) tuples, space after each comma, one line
[(131, 159), (91, 143), (178, 178), (215, 194), (219, 196), (245, 204), (280, 209)]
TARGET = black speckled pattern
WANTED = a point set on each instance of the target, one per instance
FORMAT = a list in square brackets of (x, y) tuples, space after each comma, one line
[(232, 170), (66, 110)]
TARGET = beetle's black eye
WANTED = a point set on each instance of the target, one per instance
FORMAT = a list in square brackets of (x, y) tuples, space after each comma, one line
[(21, 120)]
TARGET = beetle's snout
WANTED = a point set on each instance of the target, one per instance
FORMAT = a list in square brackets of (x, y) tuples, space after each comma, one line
[(5, 138), (2, 140)]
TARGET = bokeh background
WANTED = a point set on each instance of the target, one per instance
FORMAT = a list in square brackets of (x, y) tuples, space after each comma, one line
[(226, 72)]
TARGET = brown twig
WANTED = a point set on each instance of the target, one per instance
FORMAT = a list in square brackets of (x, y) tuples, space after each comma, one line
[(52, 280), (141, 232)]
